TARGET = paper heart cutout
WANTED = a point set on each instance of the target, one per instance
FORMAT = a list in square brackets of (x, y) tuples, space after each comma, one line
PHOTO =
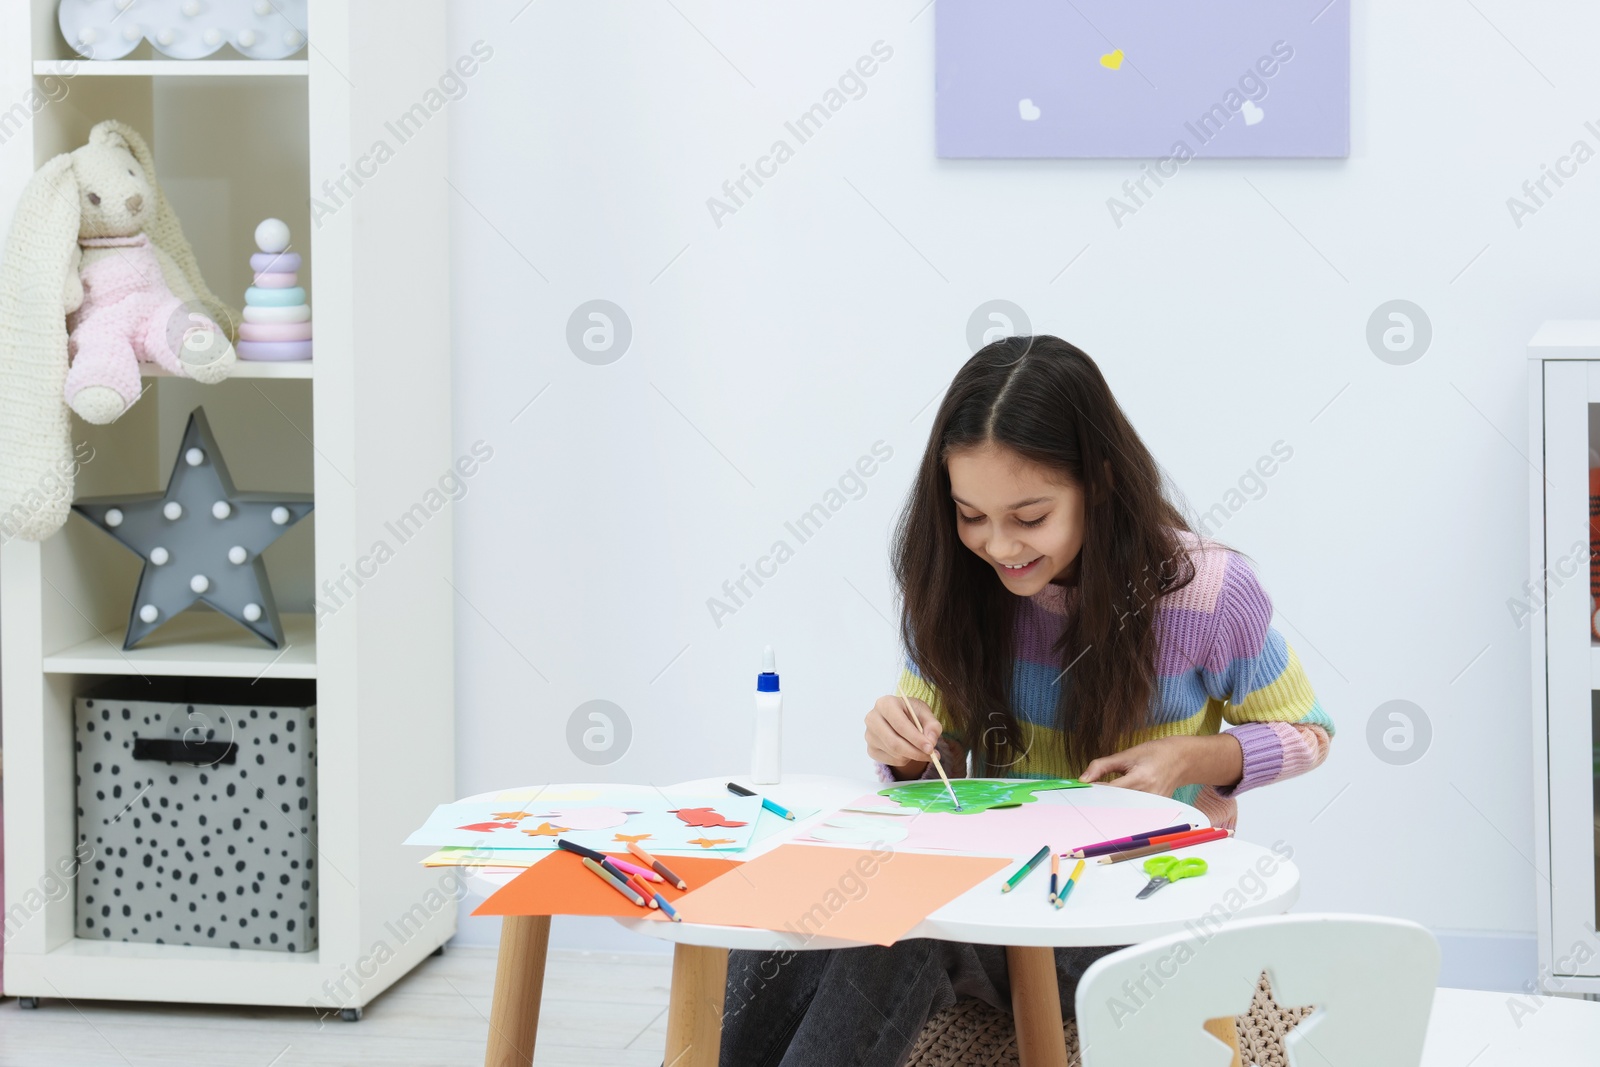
[(1252, 113), (1112, 60), (1027, 109)]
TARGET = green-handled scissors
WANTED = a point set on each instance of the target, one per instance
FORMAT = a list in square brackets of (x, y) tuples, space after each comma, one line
[(1164, 870)]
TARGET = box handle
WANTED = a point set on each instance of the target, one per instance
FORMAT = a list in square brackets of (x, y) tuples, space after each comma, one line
[(200, 753)]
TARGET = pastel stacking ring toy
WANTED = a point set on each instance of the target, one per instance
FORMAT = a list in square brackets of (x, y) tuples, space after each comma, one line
[(277, 321), (264, 262), (275, 331), (276, 351), (274, 298), (263, 314)]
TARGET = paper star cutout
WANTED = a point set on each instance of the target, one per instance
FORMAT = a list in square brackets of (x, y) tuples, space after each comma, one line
[(517, 816), (703, 817), (204, 555), (626, 838), (544, 829), (711, 842)]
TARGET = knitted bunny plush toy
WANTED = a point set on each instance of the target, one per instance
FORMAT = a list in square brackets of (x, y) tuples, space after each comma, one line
[(96, 278)]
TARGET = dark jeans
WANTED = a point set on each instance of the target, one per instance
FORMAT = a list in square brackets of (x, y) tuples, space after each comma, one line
[(863, 1007)]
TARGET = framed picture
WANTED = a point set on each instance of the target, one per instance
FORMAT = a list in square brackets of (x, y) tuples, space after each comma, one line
[(1145, 79)]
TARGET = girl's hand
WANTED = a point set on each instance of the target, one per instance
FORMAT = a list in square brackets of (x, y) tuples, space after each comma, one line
[(892, 739), (1166, 764)]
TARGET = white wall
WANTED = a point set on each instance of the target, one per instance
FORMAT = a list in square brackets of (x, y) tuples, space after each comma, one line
[(1228, 314)]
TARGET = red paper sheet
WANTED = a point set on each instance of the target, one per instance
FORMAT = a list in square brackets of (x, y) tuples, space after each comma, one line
[(810, 890), (559, 884)]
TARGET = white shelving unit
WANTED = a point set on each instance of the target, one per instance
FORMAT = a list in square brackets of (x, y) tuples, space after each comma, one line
[(1563, 424), (365, 427), (243, 369), (149, 68)]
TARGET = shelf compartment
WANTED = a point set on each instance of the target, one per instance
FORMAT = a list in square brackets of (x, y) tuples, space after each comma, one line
[(172, 68), (197, 643)]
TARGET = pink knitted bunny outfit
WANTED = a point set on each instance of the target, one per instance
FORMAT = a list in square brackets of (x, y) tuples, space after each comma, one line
[(127, 317)]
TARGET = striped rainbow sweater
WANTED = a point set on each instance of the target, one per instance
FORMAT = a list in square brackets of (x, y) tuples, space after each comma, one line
[(1220, 660)]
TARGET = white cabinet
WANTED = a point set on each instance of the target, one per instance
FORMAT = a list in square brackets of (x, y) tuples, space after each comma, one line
[(1564, 424), (365, 426)]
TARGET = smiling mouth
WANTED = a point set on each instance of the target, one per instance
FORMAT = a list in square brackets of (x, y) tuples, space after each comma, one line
[(1020, 568)]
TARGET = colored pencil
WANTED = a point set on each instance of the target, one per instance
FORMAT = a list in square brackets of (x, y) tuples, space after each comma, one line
[(882, 811), (1117, 844), (1163, 839), (612, 881), (1055, 872), (660, 868), (1011, 883), (1150, 850), (573, 846), (642, 887), (771, 805), (633, 868), (668, 908), (1072, 880), (1160, 839)]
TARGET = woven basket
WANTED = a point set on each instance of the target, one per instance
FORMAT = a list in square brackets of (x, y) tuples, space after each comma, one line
[(970, 1033)]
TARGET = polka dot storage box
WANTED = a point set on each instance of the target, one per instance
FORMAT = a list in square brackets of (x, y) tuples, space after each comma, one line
[(197, 813)]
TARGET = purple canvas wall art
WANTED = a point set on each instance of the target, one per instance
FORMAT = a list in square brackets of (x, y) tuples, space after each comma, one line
[(1114, 78)]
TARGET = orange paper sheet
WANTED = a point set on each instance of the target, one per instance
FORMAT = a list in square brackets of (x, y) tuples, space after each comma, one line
[(860, 895), (559, 884)]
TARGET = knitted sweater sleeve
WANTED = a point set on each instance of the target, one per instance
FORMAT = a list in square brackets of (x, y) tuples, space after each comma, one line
[(1267, 698), (952, 744)]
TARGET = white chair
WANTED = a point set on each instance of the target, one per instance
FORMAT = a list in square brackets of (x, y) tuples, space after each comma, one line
[(1371, 979)]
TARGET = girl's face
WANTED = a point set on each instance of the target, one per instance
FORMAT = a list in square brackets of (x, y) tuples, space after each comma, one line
[(1016, 515)]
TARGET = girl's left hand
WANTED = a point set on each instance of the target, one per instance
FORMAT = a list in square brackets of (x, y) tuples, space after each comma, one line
[(1160, 766)]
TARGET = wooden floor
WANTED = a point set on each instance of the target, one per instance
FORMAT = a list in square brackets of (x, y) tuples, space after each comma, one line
[(600, 1010)]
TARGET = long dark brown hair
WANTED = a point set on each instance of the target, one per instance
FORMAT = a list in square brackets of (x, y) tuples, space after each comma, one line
[(1045, 400)]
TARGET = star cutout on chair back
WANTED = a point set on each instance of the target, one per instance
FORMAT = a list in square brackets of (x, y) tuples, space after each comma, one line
[(1261, 1030), (201, 540)]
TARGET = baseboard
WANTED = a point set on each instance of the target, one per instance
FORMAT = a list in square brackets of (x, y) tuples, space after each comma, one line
[(1498, 962)]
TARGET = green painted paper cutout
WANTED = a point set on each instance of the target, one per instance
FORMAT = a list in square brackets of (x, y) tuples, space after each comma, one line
[(975, 794)]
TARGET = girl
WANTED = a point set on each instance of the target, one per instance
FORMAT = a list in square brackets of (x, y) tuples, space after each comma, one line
[(1061, 619)]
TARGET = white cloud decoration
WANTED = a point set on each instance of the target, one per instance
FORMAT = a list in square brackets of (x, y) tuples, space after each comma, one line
[(184, 29)]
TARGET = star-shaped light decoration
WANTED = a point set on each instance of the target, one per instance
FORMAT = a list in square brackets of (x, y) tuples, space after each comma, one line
[(201, 540)]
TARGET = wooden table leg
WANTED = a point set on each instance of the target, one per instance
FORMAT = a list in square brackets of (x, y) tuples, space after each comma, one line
[(1223, 1030), (1036, 1006), (518, 983), (694, 1016)]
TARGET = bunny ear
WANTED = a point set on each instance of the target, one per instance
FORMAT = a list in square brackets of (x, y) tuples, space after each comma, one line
[(36, 477), (165, 230)]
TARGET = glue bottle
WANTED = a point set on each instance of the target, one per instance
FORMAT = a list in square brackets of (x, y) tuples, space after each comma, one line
[(766, 766)]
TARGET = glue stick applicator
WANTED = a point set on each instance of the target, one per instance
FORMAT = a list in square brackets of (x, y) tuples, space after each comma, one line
[(766, 766)]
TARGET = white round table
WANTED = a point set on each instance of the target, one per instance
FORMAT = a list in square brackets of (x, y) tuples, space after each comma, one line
[(1243, 879)]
